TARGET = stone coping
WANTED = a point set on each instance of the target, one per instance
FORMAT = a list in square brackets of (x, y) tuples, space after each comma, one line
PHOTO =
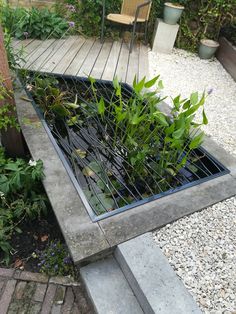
[(88, 240)]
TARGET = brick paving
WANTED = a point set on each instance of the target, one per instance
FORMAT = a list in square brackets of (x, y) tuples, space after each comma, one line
[(24, 292)]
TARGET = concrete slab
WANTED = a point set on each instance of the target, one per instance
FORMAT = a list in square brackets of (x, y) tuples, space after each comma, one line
[(154, 282), (164, 36), (108, 289)]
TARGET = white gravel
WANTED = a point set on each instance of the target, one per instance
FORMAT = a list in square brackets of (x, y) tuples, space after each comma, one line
[(202, 247)]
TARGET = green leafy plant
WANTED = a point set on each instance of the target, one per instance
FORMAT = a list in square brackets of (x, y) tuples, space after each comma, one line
[(51, 99), (21, 196), (55, 260), (140, 130), (14, 56), (87, 15), (7, 119), (34, 23)]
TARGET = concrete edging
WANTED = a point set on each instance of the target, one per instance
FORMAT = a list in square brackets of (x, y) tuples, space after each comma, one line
[(87, 239)]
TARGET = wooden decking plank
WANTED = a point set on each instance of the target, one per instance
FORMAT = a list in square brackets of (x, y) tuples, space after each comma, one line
[(143, 62), (38, 51), (111, 65), (58, 54), (32, 48), (16, 42), (123, 61), (90, 60), (133, 66), (80, 57), (65, 62), (46, 55), (23, 43), (101, 61)]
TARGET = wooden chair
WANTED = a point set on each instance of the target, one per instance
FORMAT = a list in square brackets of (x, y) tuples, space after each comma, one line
[(132, 12)]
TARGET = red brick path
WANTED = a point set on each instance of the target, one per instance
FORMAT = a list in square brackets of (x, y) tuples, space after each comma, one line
[(34, 293)]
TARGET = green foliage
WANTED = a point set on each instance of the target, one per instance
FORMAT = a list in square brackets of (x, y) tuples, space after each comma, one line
[(88, 14), (34, 23), (141, 129), (55, 260), (14, 56), (21, 196), (200, 19), (7, 120), (49, 97), (7, 117)]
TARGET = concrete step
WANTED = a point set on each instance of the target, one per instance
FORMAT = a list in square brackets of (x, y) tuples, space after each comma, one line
[(153, 281), (108, 289)]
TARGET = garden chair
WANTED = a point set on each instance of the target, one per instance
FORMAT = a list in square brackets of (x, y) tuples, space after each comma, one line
[(132, 12)]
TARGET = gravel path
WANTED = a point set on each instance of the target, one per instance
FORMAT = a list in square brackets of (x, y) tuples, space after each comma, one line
[(202, 247)]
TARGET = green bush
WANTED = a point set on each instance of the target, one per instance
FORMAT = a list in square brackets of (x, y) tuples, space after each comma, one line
[(87, 14), (201, 18), (21, 196), (34, 23)]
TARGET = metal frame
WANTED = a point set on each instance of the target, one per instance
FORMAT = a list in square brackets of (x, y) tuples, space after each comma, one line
[(134, 23), (93, 216)]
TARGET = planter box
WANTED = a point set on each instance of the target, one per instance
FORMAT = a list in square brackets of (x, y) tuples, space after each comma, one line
[(88, 238), (227, 56)]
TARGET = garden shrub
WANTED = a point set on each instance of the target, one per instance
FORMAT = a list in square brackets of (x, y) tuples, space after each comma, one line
[(21, 196), (34, 23), (87, 14), (201, 18)]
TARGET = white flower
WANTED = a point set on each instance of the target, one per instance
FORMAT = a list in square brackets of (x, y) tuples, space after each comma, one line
[(32, 163), (2, 196), (29, 87)]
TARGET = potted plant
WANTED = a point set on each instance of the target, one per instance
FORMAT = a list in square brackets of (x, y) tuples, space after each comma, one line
[(172, 12), (207, 48)]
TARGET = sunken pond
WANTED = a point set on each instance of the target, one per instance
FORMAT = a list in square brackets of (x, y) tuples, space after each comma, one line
[(118, 147)]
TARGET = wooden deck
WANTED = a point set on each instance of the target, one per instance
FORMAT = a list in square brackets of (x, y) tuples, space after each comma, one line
[(78, 56)]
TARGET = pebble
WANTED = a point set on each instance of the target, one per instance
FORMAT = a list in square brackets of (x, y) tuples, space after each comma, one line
[(202, 247)]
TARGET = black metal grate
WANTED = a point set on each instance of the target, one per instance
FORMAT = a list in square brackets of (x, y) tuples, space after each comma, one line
[(98, 170)]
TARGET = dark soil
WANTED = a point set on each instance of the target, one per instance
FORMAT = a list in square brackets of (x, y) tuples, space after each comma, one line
[(35, 236)]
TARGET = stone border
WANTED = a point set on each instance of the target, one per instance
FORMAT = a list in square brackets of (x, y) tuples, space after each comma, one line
[(88, 240)]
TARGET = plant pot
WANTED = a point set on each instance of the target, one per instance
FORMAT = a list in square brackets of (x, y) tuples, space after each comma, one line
[(207, 48), (172, 13)]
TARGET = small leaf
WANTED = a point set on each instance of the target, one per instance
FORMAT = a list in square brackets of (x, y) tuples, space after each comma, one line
[(205, 120), (151, 82), (197, 141), (101, 106), (81, 153), (194, 98)]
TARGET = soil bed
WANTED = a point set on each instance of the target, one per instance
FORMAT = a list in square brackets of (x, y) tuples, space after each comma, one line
[(35, 237)]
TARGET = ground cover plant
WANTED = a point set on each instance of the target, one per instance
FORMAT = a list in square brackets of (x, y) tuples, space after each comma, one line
[(36, 23), (120, 145)]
